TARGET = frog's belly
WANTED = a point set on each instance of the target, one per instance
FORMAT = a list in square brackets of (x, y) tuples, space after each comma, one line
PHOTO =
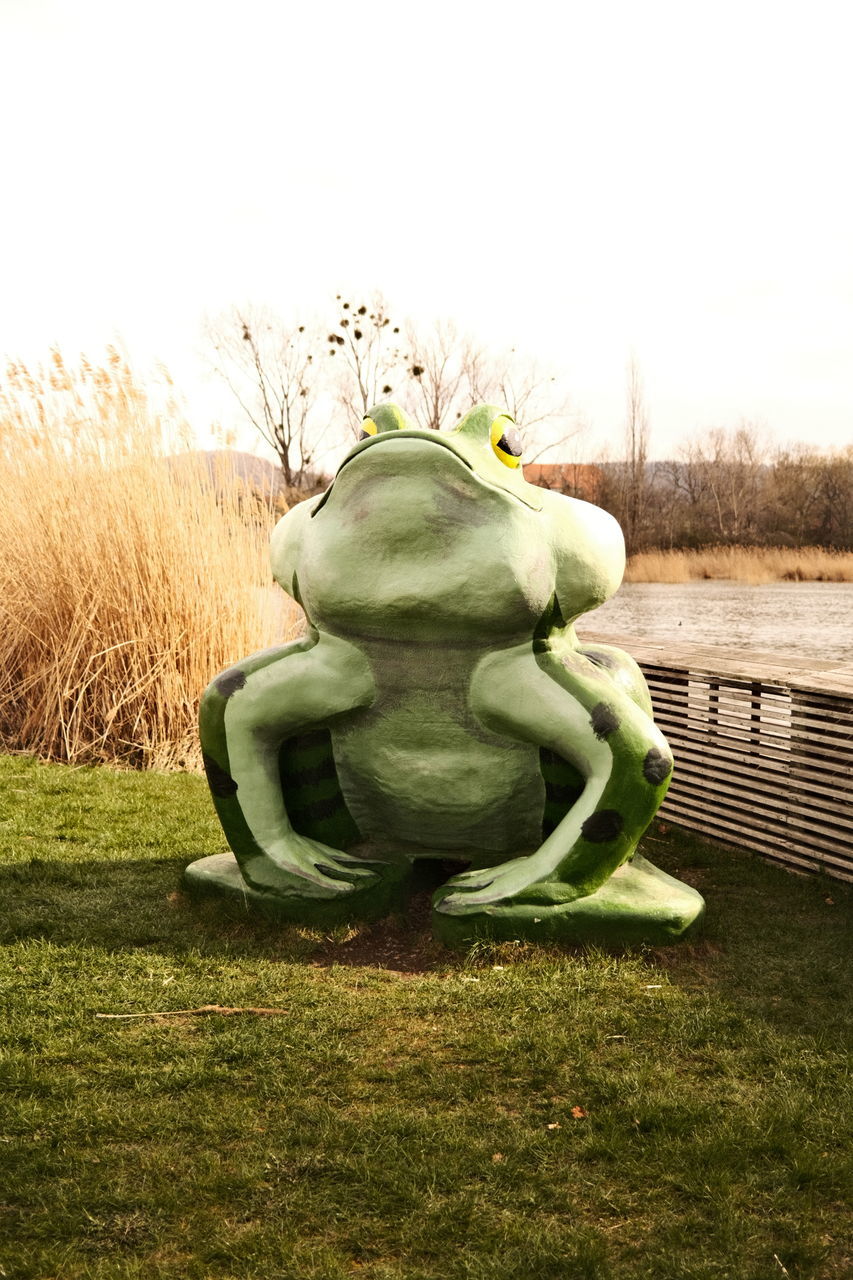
[(442, 788)]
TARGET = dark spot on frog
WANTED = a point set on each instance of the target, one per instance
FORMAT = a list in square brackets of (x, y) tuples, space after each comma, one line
[(605, 825), (606, 660), (219, 780), (657, 766), (576, 663), (604, 720), (230, 681)]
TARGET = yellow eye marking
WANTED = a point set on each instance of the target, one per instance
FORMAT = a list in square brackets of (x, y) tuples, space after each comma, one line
[(506, 442), (368, 428)]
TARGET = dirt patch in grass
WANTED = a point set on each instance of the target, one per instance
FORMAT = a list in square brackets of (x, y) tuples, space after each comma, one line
[(402, 944)]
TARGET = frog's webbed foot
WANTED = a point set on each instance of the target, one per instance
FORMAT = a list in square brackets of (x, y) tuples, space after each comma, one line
[(484, 886), (309, 869), (638, 904), (310, 884)]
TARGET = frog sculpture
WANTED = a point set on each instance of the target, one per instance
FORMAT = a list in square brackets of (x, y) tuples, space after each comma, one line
[(441, 707)]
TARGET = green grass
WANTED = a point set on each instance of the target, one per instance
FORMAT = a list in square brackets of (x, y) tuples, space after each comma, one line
[(414, 1120)]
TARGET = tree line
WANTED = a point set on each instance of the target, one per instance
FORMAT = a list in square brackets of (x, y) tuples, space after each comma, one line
[(296, 383), (728, 487)]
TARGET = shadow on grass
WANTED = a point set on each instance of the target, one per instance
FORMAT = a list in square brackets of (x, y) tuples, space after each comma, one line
[(774, 944), (140, 904)]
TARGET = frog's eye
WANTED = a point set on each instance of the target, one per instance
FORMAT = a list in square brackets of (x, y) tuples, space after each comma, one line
[(506, 441), (382, 418)]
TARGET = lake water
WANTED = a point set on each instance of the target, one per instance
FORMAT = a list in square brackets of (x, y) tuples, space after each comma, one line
[(812, 619)]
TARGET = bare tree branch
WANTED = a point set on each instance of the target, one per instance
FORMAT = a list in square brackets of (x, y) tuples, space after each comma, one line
[(372, 360), (270, 370)]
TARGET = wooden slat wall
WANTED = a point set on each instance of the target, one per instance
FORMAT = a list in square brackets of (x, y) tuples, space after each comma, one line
[(763, 750)]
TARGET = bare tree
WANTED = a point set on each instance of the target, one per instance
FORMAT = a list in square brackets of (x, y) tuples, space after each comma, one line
[(727, 469), (271, 371), (437, 365), (532, 395), (678, 502), (795, 492), (811, 496), (830, 518), (634, 480), (447, 373), (372, 360), (274, 374)]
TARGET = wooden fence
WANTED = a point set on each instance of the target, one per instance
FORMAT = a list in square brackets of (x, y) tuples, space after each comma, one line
[(763, 749)]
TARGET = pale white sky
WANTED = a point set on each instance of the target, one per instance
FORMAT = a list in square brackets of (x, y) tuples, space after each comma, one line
[(575, 179)]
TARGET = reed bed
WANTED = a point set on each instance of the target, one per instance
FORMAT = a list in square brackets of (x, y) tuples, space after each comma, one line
[(754, 565), (128, 578)]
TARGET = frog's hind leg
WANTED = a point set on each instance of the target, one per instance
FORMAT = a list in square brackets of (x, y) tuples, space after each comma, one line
[(268, 757), (605, 760)]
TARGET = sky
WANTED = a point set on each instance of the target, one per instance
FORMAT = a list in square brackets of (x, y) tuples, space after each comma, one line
[(584, 182)]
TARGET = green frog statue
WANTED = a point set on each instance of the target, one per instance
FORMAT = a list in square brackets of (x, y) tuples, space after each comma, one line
[(442, 707)]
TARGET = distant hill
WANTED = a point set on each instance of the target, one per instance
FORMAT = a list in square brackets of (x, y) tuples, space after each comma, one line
[(260, 474)]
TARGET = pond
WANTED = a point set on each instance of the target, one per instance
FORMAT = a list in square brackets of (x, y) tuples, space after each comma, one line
[(812, 619)]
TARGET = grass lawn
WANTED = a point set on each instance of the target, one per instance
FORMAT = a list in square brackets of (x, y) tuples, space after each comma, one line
[(415, 1113)]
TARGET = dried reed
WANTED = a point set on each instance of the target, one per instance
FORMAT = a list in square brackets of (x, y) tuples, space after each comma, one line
[(127, 581), (742, 564)]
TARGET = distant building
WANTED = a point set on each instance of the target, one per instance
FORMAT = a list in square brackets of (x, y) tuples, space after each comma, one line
[(578, 479)]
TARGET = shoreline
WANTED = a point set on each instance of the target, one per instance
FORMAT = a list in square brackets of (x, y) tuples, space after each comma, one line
[(753, 565)]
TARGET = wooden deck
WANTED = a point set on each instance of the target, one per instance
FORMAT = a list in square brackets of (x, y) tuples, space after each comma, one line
[(763, 748)]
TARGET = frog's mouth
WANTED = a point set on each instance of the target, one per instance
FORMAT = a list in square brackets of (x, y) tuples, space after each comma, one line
[(441, 442)]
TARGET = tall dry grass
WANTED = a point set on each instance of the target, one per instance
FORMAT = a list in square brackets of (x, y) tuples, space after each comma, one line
[(126, 581), (754, 565)]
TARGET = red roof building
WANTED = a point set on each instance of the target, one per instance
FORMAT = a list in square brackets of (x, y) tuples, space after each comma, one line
[(578, 479)]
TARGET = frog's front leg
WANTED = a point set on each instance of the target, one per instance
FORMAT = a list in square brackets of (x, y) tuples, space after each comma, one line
[(246, 714), (560, 699)]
